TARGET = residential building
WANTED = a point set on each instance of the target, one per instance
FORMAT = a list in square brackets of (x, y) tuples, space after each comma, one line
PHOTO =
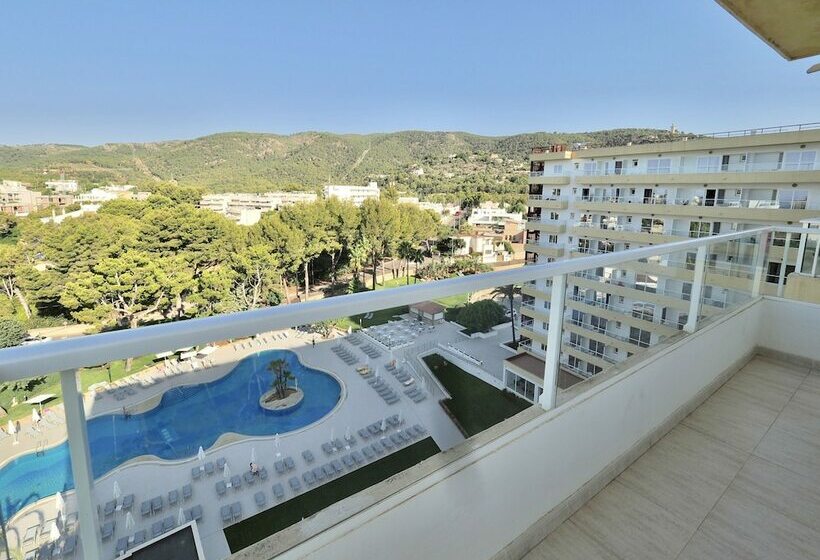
[(18, 199), (247, 208), (63, 185), (489, 247), (98, 195), (492, 213), (601, 200), (353, 193)]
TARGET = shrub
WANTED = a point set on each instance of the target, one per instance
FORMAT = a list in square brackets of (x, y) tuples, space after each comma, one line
[(480, 316), (12, 332)]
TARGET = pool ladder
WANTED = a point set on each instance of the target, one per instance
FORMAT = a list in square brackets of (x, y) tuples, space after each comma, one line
[(41, 448)]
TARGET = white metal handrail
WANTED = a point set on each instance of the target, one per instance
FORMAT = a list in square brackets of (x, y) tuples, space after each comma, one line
[(26, 361)]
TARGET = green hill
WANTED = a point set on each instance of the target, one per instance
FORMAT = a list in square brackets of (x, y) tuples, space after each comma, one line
[(452, 161)]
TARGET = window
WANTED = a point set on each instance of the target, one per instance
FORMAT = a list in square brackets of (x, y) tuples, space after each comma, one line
[(639, 336), (553, 215), (659, 165), (589, 168), (708, 164), (792, 199), (557, 169), (596, 348), (799, 161), (552, 239), (556, 192)]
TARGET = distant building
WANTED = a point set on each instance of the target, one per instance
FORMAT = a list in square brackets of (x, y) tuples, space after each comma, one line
[(489, 248), (247, 208), (57, 218), (63, 185), (99, 195), (18, 199), (353, 193), (491, 213), (414, 200)]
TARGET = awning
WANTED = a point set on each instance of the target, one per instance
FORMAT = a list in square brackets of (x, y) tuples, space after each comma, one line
[(187, 355), (40, 399), (162, 355), (186, 349)]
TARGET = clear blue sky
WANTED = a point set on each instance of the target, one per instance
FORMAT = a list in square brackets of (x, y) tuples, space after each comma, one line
[(108, 71)]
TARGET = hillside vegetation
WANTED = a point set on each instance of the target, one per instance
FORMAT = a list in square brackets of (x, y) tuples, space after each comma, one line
[(452, 161)]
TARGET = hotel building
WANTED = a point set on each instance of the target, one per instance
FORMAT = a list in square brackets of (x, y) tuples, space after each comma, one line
[(602, 200), (353, 193)]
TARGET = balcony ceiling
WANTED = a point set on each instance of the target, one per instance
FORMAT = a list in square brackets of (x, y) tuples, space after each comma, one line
[(791, 27)]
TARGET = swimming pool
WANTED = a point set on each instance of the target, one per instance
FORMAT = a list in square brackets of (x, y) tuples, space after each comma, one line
[(185, 418)]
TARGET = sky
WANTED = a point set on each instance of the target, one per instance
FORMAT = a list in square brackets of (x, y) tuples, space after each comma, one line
[(86, 72)]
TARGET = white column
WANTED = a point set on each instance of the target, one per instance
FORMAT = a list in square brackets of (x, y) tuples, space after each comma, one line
[(816, 253), (781, 279), (760, 262), (697, 290), (556, 327), (80, 464), (801, 253)]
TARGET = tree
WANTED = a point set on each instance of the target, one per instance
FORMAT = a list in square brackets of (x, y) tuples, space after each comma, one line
[(12, 332), (480, 316), (379, 226), (343, 228), (7, 224), (359, 253), (416, 257), (281, 375), (286, 242), (405, 252), (256, 275), (313, 222), (508, 292), (178, 194), (11, 266)]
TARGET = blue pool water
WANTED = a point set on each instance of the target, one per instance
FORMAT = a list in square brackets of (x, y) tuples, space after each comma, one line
[(186, 418)]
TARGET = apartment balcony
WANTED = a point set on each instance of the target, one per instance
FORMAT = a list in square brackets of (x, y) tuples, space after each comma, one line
[(700, 446), (626, 233), (536, 313), (550, 227), (730, 210), (548, 202), (545, 250), (691, 174), (549, 178), (619, 313), (600, 334)]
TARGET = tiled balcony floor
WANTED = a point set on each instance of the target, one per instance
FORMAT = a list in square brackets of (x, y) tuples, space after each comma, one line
[(739, 478)]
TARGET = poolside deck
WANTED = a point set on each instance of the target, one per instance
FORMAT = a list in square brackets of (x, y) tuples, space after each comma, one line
[(737, 478), (360, 406)]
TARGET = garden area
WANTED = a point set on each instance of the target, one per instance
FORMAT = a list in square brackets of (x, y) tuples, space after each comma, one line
[(273, 520), (476, 405)]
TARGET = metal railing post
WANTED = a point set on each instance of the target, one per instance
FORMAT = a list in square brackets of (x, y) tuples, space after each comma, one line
[(760, 262), (80, 463), (552, 363), (697, 291), (781, 278), (801, 254)]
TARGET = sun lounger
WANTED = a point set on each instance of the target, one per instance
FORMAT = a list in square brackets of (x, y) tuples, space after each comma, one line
[(392, 400), (289, 464), (368, 453), (156, 529), (348, 461), (294, 483), (318, 474), (363, 433), (109, 508), (156, 504), (337, 466), (396, 439), (356, 456), (196, 473), (236, 482), (209, 468), (168, 523), (221, 488), (279, 466), (327, 448), (263, 473), (225, 512), (387, 443), (220, 463), (337, 443), (420, 397), (309, 478), (409, 434), (350, 439), (145, 508), (278, 491), (307, 455), (107, 530), (194, 513), (249, 477), (328, 470), (139, 538), (419, 429), (236, 511), (173, 497), (373, 429), (187, 491), (260, 499)]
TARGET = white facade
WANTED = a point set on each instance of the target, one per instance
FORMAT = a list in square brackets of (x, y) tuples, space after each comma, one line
[(63, 185), (353, 193), (490, 213), (247, 208)]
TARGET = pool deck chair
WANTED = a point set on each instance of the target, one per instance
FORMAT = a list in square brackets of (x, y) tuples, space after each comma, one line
[(289, 464), (295, 485), (187, 491), (107, 530), (225, 512), (236, 482), (260, 499), (307, 455), (221, 488), (236, 511), (278, 491), (156, 504), (173, 497), (145, 508)]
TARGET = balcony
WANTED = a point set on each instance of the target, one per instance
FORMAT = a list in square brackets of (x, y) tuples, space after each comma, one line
[(553, 227), (548, 202), (627, 233), (694, 174), (554, 252), (601, 425)]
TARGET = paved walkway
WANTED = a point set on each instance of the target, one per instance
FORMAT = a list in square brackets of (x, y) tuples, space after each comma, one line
[(739, 478)]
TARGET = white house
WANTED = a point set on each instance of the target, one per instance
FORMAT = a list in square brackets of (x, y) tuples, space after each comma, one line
[(353, 193)]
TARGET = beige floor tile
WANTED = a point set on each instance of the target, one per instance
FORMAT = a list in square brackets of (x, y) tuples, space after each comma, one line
[(795, 453), (742, 528), (733, 417), (790, 494), (685, 473), (809, 391), (772, 388), (630, 526), (801, 420), (568, 542)]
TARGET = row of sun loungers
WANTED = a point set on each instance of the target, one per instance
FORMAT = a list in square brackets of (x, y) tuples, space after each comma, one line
[(344, 354), (123, 504), (415, 394), (46, 551), (155, 505), (372, 352), (384, 390)]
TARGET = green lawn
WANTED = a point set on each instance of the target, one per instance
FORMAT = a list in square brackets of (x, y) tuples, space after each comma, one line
[(88, 377), (475, 404), (268, 522)]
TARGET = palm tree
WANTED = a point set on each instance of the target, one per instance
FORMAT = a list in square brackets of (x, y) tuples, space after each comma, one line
[(281, 376), (405, 251), (416, 257), (508, 292)]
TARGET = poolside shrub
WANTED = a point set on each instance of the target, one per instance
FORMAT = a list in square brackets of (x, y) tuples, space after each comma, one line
[(480, 316)]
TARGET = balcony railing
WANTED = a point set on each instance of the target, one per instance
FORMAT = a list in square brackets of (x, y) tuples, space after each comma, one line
[(700, 200), (69, 355), (689, 169)]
